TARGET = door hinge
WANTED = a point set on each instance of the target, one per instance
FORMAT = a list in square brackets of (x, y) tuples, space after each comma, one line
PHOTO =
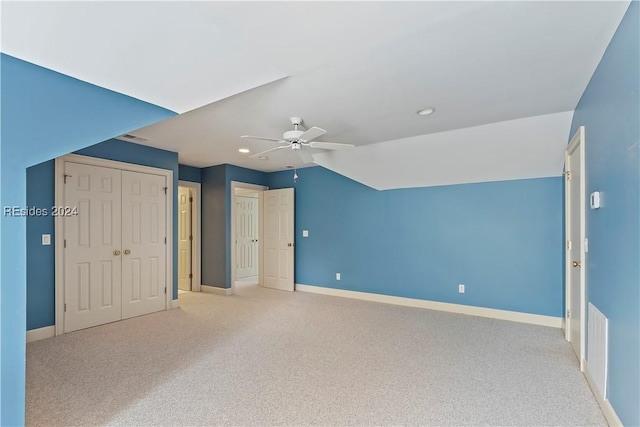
[(568, 175), (190, 275), (65, 307), (191, 237), (165, 289), (569, 245), (65, 243), (165, 240), (568, 313), (190, 199), (165, 189)]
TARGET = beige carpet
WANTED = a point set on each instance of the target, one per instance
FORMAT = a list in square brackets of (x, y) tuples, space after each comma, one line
[(265, 357)]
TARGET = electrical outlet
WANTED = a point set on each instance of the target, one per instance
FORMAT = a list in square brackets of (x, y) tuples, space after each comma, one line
[(305, 233), (46, 239), (461, 288), (337, 276)]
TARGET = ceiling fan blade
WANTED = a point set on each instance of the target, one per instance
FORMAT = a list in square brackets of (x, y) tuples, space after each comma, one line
[(330, 145), (280, 147), (305, 156), (265, 139), (312, 133)]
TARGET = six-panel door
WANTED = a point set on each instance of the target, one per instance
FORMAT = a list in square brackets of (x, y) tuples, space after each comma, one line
[(93, 244), (246, 236), (143, 244), (278, 239)]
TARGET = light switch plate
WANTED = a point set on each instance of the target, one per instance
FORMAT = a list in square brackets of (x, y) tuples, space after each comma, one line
[(594, 200), (305, 233), (46, 239)]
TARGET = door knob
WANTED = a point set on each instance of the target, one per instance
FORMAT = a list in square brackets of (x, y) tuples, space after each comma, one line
[(116, 252), (127, 251), (576, 263)]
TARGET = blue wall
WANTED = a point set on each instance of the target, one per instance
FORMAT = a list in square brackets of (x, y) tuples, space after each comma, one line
[(610, 111), (189, 173), (44, 114), (213, 225), (503, 240), (40, 193), (41, 290)]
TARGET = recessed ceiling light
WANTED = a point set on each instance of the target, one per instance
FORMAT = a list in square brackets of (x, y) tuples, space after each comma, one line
[(263, 158), (244, 150), (426, 111)]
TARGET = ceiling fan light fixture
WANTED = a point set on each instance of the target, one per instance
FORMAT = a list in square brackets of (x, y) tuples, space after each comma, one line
[(244, 150), (263, 158), (426, 111)]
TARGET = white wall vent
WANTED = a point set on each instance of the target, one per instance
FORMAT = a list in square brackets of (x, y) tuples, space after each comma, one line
[(598, 349), (131, 137)]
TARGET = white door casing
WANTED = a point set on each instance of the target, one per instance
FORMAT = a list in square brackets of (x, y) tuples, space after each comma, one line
[(92, 267), (246, 236), (184, 238), (575, 217), (278, 239), (104, 177), (144, 284)]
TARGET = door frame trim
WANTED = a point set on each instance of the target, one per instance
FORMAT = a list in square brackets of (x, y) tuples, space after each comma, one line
[(59, 224), (232, 237), (196, 246), (579, 141)]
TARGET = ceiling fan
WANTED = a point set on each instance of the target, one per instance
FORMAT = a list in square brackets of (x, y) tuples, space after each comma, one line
[(297, 140)]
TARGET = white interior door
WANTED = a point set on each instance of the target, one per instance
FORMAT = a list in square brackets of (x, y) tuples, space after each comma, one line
[(184, 238), (574, 207), (246, 236), (144, 261), (278, 239), (92, 253)]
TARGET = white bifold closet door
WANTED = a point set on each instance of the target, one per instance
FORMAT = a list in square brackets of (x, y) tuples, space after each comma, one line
[(143, 255), (93, 266), (114, 255)]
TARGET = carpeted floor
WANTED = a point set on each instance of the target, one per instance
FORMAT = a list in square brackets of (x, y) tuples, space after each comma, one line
[(265, 357)]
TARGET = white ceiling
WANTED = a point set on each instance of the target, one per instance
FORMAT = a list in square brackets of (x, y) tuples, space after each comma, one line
[(358, 69)]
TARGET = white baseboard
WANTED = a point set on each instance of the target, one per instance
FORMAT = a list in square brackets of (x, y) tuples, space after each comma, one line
[(216, 290), (514, 316), (605, 405), (175, 303), (41, 333)]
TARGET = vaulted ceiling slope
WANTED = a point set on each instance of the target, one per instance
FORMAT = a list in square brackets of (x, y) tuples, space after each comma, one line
[(358, 69), (531, 147)]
